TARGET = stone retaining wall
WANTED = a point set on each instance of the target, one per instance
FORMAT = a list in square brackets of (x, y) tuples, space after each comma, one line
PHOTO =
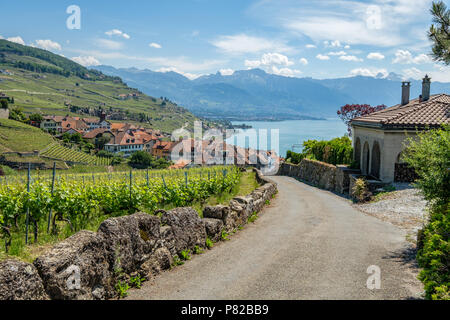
[(320, 174), (88, 265)]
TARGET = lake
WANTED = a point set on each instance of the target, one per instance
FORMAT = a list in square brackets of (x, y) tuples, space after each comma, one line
[(291, 132)]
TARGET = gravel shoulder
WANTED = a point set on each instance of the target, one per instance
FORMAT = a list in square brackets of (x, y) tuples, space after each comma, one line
[(308, 244), (405, 208)]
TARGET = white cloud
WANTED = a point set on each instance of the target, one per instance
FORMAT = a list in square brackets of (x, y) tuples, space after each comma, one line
[(252, 63), (48, 45), (286, 72), (369, 72), (333, 44), (412, 73), (347, 47), (350, 58), (405, 57), (242, 43), (109, 44), (375, 56), (17, 39), (310, 46), (303, 61), (155, 45), (337, 53), (188, 75), (373, 22), (226, 72), (86, 61), (322, 57), (116, 32), (275, 58), (269, 59)]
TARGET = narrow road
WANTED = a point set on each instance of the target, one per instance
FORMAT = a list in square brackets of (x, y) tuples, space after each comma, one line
[(308, 244)]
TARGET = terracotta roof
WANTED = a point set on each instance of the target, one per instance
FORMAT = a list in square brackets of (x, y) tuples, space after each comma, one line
[(93, 133), (131, 137), (432, 113), (164, 145)]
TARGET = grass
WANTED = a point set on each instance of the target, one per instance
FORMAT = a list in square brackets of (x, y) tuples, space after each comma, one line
[(47, 93), (246, 185), (19, 137)]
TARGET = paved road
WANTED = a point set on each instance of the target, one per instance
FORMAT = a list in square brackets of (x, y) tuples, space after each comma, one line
[(308, 244)]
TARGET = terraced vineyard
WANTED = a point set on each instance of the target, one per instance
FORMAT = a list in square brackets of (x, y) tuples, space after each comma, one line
[(55, 208), (59, 152)]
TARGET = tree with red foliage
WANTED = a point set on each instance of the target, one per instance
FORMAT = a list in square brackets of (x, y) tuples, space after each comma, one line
[(351, 111)]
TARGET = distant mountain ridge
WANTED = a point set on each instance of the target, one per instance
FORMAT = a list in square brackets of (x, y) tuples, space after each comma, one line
[(255, 94)]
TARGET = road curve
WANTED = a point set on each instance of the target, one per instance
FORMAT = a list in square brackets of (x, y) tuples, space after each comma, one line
[(308, 244)]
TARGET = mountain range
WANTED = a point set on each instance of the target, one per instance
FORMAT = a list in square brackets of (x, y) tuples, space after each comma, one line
[(257, 95)]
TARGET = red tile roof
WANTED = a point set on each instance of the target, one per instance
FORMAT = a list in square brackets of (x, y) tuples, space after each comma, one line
[(432, 114)]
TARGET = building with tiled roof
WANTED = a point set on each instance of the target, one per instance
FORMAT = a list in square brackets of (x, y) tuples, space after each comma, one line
[(130, 141), (379, 138)]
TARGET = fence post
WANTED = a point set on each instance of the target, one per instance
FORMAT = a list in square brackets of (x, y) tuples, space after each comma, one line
[(28, 208), (131, 185), (164, 181), (148, 182), (186, 178), (53, 188)]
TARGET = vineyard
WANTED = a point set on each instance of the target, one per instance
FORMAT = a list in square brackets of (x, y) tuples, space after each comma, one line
[(52, 206), (58, 152)]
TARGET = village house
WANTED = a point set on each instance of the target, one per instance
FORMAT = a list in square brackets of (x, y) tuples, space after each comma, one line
[(130, 141), (52, 123), (163, 149), (379, 138), (98, 124), (93, 135)]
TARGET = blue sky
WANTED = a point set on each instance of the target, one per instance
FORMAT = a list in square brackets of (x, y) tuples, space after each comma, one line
[(313, 38)]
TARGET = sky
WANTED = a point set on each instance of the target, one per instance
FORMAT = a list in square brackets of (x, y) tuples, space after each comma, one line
[(296, 38)]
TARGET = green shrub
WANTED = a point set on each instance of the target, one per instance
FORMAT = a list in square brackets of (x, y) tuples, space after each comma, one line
[(429, 155), (335, 151), (360, 191)]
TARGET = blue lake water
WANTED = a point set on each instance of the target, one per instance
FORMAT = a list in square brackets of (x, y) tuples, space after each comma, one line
[(291, 132)]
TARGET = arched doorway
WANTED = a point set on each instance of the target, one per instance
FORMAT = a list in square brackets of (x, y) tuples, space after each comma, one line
[(357, 152), (376, 160), (366, 159)]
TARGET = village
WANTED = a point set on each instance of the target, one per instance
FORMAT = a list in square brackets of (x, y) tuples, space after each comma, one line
[(123, 139)]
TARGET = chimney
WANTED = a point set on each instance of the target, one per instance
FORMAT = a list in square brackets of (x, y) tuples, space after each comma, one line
[(426, 84), (406, 85)]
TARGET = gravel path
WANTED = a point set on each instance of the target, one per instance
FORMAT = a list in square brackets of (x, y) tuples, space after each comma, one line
[(308, 244), (405, 208)]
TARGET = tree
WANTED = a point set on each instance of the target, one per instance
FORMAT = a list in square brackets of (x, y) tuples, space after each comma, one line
[(36, 117), (351, 111), (439, 32), (141, 159), (100, 142), (4, 103), (429, 155)]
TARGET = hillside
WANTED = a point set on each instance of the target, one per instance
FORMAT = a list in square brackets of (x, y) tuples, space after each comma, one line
[(254, 93), (16, 136), (43, 82)]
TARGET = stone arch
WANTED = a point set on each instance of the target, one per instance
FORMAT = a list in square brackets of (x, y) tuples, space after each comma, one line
[(376, 160), (365, 159), (357, 152)]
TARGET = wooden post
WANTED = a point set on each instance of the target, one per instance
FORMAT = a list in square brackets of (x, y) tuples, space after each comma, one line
[(53, 188), (28, 209)]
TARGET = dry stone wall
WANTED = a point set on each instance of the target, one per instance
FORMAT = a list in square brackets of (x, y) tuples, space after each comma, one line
[(320, 174), (88, 265)]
